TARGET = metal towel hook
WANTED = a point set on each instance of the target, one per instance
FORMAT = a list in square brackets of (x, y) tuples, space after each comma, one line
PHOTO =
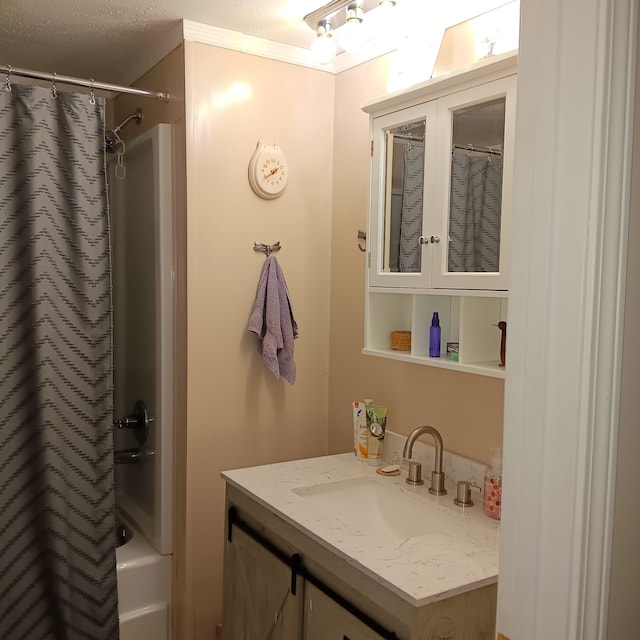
[(362, 236), (266, 248)]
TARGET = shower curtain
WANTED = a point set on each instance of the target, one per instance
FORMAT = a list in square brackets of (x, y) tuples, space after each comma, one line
[(57, 556), (474, 224)]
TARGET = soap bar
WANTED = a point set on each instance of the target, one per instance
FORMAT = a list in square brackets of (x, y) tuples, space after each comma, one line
[(390, 470)]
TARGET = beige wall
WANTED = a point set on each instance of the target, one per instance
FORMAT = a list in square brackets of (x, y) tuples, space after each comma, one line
[(467, 409), (239, 414), (231, 412)]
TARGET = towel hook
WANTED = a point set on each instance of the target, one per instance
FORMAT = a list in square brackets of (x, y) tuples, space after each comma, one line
[(266, 248), (362, 236)]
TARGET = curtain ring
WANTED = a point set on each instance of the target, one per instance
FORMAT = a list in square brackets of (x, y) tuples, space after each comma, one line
[(7, 82), (92, 95), (54, 90)]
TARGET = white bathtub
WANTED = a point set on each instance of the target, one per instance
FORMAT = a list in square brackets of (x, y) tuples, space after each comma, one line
[(144, 590)]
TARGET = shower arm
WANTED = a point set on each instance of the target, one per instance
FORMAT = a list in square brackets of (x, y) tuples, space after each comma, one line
[(137, 116)]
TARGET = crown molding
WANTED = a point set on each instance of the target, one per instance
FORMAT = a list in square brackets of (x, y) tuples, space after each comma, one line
[(216, 36)]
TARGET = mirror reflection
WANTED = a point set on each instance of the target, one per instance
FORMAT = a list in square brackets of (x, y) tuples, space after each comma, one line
[(404, 195), (476, 188)]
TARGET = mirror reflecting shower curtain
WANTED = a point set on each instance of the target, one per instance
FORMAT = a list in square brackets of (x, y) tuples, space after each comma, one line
[(57, 556), (475, 214)]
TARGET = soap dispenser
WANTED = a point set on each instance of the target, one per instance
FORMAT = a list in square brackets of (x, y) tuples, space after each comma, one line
[(493, 486), (434, 336)]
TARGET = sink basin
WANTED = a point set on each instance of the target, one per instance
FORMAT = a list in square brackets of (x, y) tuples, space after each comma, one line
[(383, 510)]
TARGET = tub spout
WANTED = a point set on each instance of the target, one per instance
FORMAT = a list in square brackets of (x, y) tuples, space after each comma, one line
[(437, 475), (130, 456)]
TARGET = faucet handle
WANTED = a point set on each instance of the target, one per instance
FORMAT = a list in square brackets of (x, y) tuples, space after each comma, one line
[(415, 473), (463, 499)]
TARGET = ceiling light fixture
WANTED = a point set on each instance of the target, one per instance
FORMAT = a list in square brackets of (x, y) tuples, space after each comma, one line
[(333, 11), (324, 46)]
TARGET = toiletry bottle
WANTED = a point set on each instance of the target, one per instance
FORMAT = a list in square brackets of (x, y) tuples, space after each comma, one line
[(359, 416), (363, 446), (376, 427), (434, 336), (493, 487)]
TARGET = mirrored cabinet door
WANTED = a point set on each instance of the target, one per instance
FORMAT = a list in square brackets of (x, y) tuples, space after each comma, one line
[(474, 175), (403, 171)]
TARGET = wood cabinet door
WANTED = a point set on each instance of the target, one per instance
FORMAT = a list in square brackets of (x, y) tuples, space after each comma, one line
[(325, 619), (258, 603)]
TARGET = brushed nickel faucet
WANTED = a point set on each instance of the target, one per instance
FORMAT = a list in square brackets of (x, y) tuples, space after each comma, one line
[(415, 468)]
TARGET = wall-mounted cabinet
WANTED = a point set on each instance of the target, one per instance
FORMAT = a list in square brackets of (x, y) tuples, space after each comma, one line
[(439, 215)]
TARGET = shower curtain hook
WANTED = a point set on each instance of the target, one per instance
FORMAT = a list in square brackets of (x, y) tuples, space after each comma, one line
[(92, 95), (54, 90), (7, 82)]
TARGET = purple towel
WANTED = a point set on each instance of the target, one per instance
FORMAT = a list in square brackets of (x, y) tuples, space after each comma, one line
[(272, 320)]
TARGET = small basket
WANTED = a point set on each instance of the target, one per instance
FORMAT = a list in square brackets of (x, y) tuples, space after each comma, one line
[(401, 340)]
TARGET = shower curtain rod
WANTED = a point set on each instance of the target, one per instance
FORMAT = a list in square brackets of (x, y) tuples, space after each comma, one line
[(470, 147), (9, 71)]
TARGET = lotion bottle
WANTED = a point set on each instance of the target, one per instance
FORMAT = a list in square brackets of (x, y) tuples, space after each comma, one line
[(493, 487), (363, 448), (434, 336)]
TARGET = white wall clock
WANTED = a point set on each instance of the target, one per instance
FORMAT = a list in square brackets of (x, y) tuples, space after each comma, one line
[(268, 172)]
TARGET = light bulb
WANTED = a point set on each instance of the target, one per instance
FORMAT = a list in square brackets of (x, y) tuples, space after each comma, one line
[(324, 46), (351, 34)]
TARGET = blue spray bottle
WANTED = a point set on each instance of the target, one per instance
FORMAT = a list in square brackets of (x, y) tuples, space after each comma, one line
[(434, 336)]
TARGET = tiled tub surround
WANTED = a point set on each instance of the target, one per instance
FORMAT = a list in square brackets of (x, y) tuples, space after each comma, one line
[(446, 577)]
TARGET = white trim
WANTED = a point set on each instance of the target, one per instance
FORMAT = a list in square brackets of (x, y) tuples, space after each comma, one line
[(617, 82), (216, 36), (571, 198)]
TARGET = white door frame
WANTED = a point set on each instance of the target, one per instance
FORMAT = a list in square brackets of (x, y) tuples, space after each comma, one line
[(570, 217)]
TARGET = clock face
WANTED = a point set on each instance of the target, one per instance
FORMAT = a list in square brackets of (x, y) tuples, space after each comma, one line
[(268, 172)]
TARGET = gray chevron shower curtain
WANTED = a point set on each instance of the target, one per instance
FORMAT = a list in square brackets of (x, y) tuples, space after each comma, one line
[(57, 557)]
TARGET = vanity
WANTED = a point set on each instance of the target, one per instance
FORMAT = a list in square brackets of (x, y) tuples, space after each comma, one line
[(326, 548), (439, 217)]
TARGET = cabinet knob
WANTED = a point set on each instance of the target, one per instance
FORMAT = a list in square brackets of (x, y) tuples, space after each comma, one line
[(423, 240), (434, 239)]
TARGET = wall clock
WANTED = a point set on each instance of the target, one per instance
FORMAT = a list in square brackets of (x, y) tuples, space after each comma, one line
[(268, 172)]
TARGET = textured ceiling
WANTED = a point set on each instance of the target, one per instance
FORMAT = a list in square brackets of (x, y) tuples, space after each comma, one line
[(105, 39), (115, 41)]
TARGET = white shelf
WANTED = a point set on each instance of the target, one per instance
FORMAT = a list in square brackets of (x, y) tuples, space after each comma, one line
[(470, 319), (489, 369)]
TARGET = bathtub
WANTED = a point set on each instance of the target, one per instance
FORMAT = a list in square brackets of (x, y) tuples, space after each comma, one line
[(144, 589)]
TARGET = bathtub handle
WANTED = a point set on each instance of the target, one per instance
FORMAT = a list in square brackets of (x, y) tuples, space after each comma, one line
[(138, 420)]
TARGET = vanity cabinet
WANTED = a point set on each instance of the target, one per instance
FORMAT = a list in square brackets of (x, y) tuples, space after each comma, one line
[(259, 596), (282, 583), (439, 215), (325, 619)]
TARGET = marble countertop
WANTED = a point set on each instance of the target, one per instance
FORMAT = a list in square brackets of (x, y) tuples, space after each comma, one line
[(460, 556)]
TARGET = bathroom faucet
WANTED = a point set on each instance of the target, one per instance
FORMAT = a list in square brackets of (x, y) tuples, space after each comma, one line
[(415, 468)]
